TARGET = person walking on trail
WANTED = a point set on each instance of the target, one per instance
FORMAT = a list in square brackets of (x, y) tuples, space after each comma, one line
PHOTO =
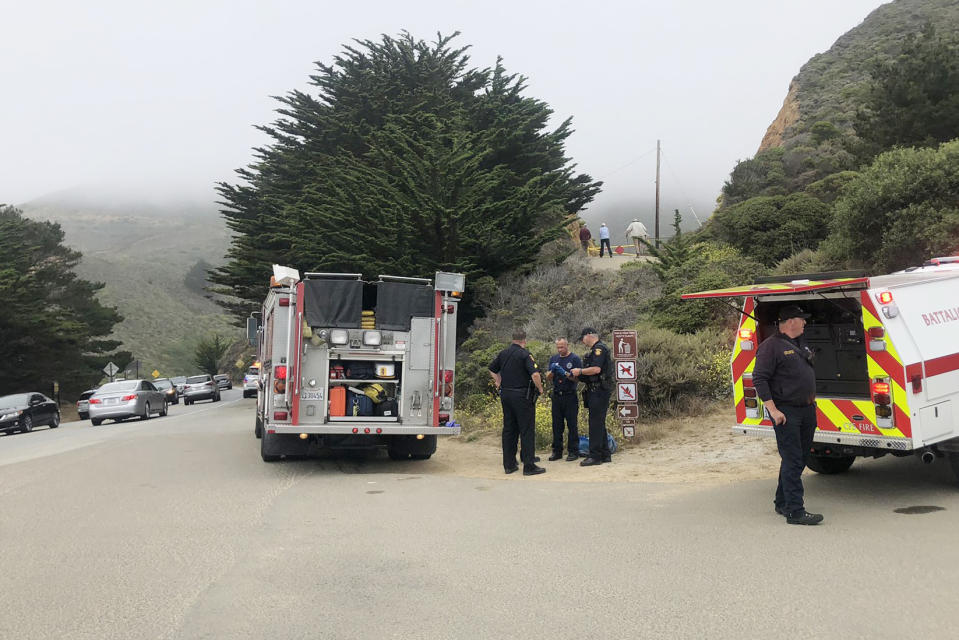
[(635, 233), (597, 373), (565, 403), (584, 237), (515, 375), (604, 240), (785, 381)]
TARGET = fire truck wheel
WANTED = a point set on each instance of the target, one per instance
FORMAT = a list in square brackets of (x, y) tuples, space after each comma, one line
[(397, 448), (830, 465), (268, 448), (258, 427), (954, 463)]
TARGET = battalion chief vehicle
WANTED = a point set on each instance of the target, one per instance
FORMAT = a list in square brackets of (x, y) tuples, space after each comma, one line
[(886, 359)]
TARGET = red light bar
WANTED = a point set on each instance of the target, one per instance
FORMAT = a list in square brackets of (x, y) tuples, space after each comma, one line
[(746, 334), (885, 297)]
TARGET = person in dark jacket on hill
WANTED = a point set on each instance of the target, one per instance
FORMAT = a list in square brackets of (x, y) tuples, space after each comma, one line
[(785, 382), (584, 237)]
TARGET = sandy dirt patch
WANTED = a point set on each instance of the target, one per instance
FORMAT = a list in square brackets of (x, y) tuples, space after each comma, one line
[(699, 450)]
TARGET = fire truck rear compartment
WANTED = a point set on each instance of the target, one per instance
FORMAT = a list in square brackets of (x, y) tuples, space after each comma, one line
[(835, 333)]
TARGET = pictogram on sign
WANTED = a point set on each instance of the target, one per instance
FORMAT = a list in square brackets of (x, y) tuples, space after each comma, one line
[(626, 391), (627, 411), (624, 344), (625, 369)]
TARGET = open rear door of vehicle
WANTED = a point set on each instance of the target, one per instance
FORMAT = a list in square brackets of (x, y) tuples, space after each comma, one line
[(780, 288)]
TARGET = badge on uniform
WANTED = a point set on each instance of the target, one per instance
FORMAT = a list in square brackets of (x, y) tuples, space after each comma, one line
[(598, 351), (788, 352)]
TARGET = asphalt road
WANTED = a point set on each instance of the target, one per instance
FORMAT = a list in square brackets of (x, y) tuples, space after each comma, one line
[(174, 528)]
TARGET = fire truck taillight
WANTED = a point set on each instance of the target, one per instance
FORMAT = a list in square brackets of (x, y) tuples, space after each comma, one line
[(747, 380), (882, 398), (880, 388), (749, 392), (280, 415), (877, 332), (876, 341), (280, 373)]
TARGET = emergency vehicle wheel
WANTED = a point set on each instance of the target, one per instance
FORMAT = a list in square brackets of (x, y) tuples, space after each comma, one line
[(954, 463), (268, 448), (830, 465), (258, 427)]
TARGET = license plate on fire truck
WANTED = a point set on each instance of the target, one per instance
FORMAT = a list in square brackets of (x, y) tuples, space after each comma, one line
[(311, 395)]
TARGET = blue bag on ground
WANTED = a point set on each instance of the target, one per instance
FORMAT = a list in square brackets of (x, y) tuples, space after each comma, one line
[(584, 445)]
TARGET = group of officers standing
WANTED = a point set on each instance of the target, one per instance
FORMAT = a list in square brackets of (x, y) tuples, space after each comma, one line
[(519, 382)]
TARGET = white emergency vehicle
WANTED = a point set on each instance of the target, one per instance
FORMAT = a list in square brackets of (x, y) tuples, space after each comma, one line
[(886, 359), (346, 363)]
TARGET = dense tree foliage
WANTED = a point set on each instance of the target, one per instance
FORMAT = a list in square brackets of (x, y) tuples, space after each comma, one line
[(208, 353), (913, 98), (899, 211), (52, 328), (771, 228), (402, 160)]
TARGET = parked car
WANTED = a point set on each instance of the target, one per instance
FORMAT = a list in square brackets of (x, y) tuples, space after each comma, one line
[(250, 382), (168, 388), (83, 404), (200, 388), (24, 411), (180, 382), (224, 381), (120, 400)]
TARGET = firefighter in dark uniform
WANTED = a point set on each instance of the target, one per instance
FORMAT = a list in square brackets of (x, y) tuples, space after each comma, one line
[(785, 382), (597, 373), (517, 378)]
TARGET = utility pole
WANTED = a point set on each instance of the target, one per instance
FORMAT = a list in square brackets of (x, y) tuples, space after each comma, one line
[(657, 194)]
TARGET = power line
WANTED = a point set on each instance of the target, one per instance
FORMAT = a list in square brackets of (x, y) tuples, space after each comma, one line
[(628, 164)]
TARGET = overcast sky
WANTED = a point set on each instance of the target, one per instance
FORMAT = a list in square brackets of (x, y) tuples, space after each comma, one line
[(164, 95)]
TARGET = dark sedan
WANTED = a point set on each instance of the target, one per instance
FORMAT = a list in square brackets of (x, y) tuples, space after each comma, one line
[(24, 411), (169, 389)]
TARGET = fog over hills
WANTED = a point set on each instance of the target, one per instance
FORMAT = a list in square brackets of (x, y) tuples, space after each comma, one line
[(143, 246)]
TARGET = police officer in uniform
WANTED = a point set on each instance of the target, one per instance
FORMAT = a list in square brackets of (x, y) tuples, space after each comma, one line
[(565, 402), (785, 382), (597, 373), (516, 376)]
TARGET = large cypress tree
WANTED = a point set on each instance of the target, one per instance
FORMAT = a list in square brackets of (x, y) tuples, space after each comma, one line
[(401, 160), (51, 325)]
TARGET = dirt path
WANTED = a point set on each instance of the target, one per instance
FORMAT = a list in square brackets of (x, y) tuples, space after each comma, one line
[(696, 451)]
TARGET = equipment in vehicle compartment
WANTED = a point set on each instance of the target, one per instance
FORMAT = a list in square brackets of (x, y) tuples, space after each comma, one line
[(385, 370)]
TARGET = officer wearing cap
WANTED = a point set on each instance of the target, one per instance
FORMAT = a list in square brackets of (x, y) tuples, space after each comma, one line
[(516, 375), (597, 373), (785, 381)]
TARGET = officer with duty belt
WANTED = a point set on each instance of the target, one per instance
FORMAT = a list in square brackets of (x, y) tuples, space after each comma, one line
[(597, 373), (785, 381), (516, 375)]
